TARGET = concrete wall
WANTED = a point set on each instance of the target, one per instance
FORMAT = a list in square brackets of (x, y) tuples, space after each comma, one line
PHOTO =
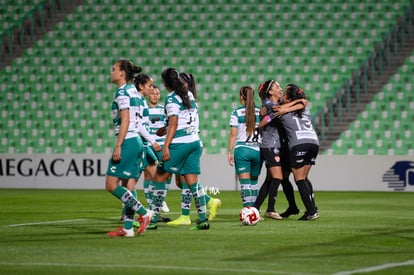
[(83, 171)]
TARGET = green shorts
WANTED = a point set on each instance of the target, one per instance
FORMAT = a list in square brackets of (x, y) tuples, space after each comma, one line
[(185, 159), (132, 157), (150, 156), (247, 160)]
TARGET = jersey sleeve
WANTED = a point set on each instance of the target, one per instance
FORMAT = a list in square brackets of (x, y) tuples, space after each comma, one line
[(122, 99)]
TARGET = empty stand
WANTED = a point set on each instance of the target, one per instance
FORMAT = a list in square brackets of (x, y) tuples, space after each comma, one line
[(62, 86)]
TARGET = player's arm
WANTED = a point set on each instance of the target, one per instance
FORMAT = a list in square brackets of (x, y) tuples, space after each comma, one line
[(171, 130), (123, 130), (232, 140), (292, 106)]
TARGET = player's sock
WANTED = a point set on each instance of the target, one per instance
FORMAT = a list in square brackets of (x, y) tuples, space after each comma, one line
[(128, 198), (273, 186), (158, 197), (306, 196), (289, 193), (186, 199), (208, 198), (255, 188), (246, 192), (148, 188), (308, 182), (263, 191), (200, 200), (129, 213)]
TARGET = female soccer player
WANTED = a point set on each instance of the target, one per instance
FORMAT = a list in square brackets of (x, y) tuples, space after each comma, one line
[(271, 151), (243, 147), (145, 87), (213, 204), (182, 146), (303, 147), (126, 161)]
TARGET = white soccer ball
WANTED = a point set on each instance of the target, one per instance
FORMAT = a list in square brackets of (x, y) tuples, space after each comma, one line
[(249, 215)]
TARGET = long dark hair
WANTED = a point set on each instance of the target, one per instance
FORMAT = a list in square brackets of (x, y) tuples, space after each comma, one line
[(247, 93), (129, 68), (293, 92), (173, 81), (190, 81), (141, 79)]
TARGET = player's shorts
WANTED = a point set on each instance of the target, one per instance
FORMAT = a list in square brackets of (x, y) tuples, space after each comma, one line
[(303, 154), (247, 160), (271, 157), (132, 157), (150, 156), (184, 159), (284, 156)]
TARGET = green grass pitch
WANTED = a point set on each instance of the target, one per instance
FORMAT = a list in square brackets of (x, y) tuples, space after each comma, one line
[(64, 232)]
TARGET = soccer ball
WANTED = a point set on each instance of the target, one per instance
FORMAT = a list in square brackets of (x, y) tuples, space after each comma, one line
[(249, 215)]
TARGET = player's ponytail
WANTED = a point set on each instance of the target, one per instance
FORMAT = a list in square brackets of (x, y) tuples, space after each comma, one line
[(247, 93), (129, 68)]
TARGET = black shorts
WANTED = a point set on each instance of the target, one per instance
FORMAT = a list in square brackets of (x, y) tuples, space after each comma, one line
[(284, 155), (271, 156), (303, 154)]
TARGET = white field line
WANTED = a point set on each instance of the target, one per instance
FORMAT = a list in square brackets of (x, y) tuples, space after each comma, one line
[(164, 267), (82, 220), (46, 222), (375, 268)]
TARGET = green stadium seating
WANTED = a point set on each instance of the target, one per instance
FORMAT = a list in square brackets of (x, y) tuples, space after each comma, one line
[(389, 117), (66, 74)]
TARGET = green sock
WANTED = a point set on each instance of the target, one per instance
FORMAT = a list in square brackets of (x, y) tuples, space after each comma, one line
[(129, 214), (148, 188), (158, 197), (246, 192), (200, 200), (186, 198), (208, 198), (129, 200), (255, 188)]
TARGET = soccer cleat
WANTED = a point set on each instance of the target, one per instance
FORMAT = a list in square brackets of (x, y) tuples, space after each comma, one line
[(307, 217), (273, 215), (163, 219), (152, 226), (121, 232), (213, 205), (164, 207), (181, 220), (204, 225), (290, 211), (144, 221)]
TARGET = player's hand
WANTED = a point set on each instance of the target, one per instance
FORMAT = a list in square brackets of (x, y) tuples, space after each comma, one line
[(166, 154), (230, 159), (161, 132), (116, 155), (156, 147)]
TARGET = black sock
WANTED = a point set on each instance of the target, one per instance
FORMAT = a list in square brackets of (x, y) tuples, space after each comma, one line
[(305, 195), (289, 193), (308, 182), (274, 185), (263, 191)]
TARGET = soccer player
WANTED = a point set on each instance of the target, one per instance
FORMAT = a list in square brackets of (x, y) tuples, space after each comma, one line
[(271, 150), (182, 146), (243, 146), (303, 148), (126, 161), (145, 87), (213, 204)]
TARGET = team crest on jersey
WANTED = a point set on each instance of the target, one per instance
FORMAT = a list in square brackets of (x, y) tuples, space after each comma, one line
[(277, 159)]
